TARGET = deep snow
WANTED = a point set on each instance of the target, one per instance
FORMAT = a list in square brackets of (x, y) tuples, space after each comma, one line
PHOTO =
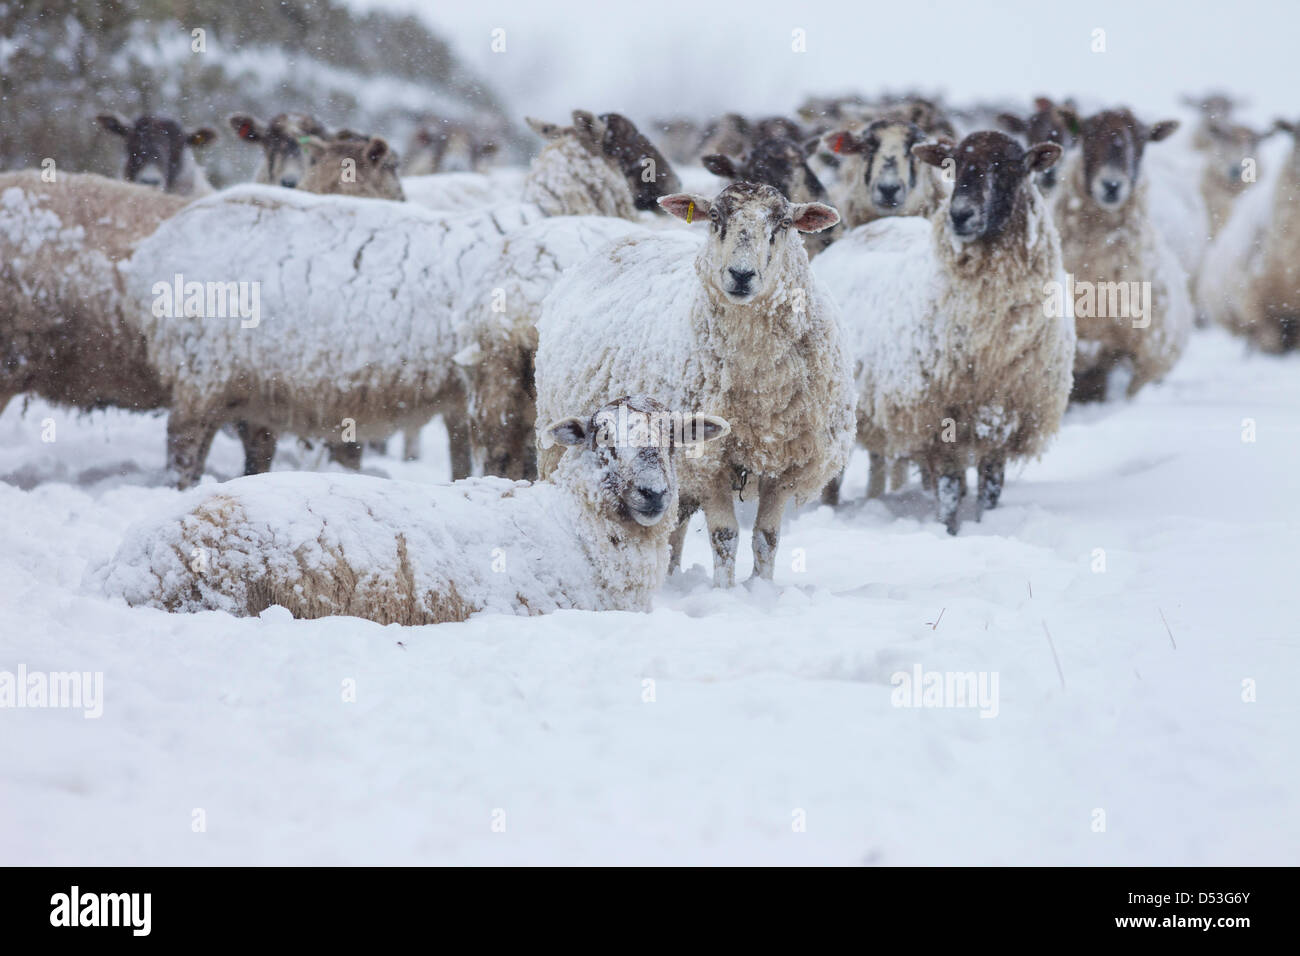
[(768, 700)]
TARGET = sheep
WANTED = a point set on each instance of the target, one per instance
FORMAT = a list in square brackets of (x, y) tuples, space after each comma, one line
[(284, 162), (1251, 283), (445, 145), (1049, 123), (158, 153), (647, 172), (352, 166), (881, 176), (572, 176), (1224, 176), (593, 537), (959, 357), (779, 162), (1138, 322), (64, 334), (735, 326)]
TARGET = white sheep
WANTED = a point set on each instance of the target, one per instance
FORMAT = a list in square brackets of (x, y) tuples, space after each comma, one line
[(1250, 283), (962, 355), (594, 537), (733, 326), (1133, 312)]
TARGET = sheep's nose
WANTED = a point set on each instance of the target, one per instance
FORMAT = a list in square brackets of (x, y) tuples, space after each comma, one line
[(961, 215), (1111, 188), (888, 192), (652, 501), (741, 276), (289, 182)]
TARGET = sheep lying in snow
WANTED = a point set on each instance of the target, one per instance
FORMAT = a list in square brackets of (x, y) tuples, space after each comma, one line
[(64, 333), (594, 537), (1137, 321), (959, 360), (734, 326), (1251, 280), (158, 153)]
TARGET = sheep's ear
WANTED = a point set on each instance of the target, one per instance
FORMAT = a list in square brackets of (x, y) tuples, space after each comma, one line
[(720, 165), (844, 142), (1042, 104), (313, 127), (588, 127), (701, 429), (112, 123), (247, 127), (813, 216), (1284, 126), (933, 153), (1012, 123), (376, 150), (1162, 130), (201, 136), (812, 147), (542, 129), (1041, 157), (685, 206), (567, 431)]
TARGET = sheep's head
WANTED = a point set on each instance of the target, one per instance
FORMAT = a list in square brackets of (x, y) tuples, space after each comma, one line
[(889, 172), (1049, 123), (1229, 144), (780, 163), (155, 147), (751, 226), (989, 169), (280, 139), (632, 443), (1113, 141), (352, 165)]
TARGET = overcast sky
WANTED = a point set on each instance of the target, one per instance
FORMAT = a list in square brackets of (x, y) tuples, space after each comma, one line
[(688, 56)]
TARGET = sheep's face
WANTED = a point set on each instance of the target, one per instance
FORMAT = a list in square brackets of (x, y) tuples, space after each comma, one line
[(631, 443), (1229, 145), (155, 148), (352, 166), (281, 142), (751, 226), (989, 170), (1049, 123), (1113, 141), (779, 163), (889, 170), (727, 134)]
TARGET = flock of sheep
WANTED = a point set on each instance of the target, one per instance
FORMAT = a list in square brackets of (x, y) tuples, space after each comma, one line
[(931, 284)]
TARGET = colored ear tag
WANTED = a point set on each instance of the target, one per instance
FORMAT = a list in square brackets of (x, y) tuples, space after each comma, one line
[(303, 140), (690, 213), (839, 143)]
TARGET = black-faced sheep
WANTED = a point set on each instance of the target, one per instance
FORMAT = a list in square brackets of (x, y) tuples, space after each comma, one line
[(158, 153)]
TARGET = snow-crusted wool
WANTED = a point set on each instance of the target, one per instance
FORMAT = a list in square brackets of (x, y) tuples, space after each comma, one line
[(646, 314), (567, 178), (465, 192), (406, 553), (64, 332), (1250, 283), (958, 359), (1108, 246)]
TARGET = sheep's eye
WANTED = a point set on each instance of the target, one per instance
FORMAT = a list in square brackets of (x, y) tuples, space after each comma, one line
[(787, 223)]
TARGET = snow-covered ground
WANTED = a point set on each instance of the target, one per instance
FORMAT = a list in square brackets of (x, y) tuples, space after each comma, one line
[(751, 726)]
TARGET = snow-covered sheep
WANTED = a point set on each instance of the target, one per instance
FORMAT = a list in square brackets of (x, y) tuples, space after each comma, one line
[(880, 176), (593, 537), (1231, 159), (734, 326), (572, 175), (961, 358), (1133, 312), (284, 161), (159, 153), (360, 166), (779, 163), (448, 145), (64, 332), (1250, 282), (648, 173)]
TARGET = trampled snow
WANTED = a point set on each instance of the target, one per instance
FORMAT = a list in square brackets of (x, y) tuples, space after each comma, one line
[(1153, 542)]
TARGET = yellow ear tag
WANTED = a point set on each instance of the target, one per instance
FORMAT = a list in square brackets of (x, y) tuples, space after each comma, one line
[(690, 213)]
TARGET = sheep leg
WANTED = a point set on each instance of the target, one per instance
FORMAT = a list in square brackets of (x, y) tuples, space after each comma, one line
[(345, 453), (772, 497), (411, 443), (927, 476), (898, 473), (720, 513), (453, 404), (877, 475), (189, 436), (992, 471), (831, 493), (949, 491), (685, 508), (259, 447)]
